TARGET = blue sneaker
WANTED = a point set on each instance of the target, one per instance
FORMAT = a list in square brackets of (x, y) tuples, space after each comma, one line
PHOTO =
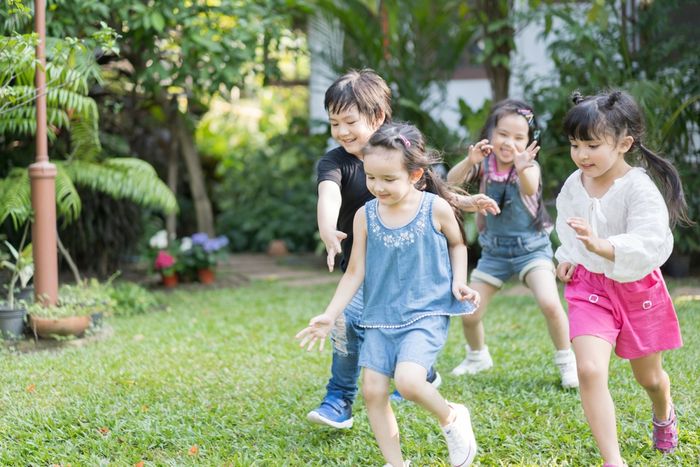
[(333, 411), (433, 378)]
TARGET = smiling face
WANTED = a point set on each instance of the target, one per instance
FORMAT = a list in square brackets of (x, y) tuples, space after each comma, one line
[(509, 137), (601, 158), (387, 177), (351, 129)]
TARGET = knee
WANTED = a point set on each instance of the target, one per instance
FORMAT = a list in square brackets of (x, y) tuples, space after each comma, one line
[(552, 309), (473, 319), (652, 381), (373, 392), (590, 372), (408, 386)]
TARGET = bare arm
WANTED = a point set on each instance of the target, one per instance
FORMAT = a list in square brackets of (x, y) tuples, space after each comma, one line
[(459, 174), (447, 224), (327, 211), (320, 326), (528, 171)]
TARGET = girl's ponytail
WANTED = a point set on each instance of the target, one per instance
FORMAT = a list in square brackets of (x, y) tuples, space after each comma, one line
[(667, 177), (433, 183)]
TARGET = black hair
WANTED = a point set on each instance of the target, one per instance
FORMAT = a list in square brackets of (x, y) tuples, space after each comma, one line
[(517, 107), (512, 107), (409, 140), (616, 114), (363, 89)]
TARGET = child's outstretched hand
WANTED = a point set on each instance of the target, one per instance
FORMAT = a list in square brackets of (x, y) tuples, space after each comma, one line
[(478, 151), (565, 270), (482, 204), (463, 292), (525, 159), (333, 247), (318, 329)]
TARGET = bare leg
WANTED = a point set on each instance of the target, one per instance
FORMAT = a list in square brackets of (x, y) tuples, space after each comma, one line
[(652, 377), (593, 360), (410, 380), (544, 287), (472, 325), (375, 390)]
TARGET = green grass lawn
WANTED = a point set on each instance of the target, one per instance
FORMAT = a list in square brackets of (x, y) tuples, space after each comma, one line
[(219, 380)]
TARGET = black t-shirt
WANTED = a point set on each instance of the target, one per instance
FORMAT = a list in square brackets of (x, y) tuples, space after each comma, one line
[(348, 172)]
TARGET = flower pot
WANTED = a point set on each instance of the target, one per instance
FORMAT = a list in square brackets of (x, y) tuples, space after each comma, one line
[(68, 326), (169, 280), (11, 322), (277, 248), (206, 275)]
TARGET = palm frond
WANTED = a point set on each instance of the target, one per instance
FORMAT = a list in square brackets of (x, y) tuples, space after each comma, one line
[(15, 197), (124, 178), (68, 204)]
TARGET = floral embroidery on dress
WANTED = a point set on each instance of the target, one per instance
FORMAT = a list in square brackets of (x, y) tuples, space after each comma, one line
[(400, 237)]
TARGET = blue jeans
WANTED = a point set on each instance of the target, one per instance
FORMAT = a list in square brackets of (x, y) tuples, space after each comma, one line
[(347, 338)]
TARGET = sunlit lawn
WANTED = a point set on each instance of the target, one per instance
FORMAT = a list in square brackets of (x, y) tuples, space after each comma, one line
[(219, 380)]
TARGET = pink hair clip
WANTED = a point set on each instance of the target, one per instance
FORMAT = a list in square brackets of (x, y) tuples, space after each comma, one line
[(405, 141), (527, 114)]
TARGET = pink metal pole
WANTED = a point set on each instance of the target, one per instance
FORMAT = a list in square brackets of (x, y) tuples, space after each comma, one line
[(43, 181)]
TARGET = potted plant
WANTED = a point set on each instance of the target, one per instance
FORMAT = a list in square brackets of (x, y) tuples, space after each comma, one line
[(20, 263), (204, 254), (63, 319), (91, 295), (166, 264)]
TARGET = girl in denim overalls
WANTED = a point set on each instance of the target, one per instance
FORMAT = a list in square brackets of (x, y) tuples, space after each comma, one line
[(517, 240), (410, 257)]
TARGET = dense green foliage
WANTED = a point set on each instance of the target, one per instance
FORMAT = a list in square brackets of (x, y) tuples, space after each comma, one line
[(218, 379), (647, 57), (270, 193)]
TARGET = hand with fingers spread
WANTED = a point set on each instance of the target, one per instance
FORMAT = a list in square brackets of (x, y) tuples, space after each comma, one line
[(462, 292), (332, 243), (318, 329), (565, 271), (482, 204), (525, 159), (477, 152)]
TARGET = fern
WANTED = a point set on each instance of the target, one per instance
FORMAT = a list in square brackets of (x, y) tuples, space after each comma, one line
[(124, 178), (15, 197)]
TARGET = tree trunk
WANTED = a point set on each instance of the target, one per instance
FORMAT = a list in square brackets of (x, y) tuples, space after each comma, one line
[(502, 38), (171, 219), (202, 205)]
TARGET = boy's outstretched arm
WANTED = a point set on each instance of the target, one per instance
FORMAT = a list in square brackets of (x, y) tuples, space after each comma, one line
[(327, 211), (320, 326)]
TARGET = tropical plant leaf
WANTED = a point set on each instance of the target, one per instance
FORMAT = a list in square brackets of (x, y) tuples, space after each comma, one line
[(124, 178), (15, 197)]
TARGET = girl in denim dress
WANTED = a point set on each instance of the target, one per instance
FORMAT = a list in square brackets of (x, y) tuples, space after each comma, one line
[(517, 240), (410, 257)]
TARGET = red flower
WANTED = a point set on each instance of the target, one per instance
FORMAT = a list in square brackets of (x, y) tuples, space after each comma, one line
[(164, 260)]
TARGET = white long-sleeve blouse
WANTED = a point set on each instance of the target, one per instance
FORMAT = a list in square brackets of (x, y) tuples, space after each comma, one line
[(632, 215)]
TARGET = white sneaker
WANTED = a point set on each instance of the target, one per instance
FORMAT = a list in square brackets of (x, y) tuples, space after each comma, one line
[(476, 361), (566, 361), (460, 437), (406, 463)]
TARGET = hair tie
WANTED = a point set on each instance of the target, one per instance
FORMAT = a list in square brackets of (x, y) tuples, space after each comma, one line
[(577, 97), (612, 99), (405, 141)]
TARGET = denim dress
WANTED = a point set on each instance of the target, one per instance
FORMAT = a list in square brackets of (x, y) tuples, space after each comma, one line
[(408, 274), (407, 292)]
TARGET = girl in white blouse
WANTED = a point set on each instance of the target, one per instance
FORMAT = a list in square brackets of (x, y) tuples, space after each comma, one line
[(613, 224)]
